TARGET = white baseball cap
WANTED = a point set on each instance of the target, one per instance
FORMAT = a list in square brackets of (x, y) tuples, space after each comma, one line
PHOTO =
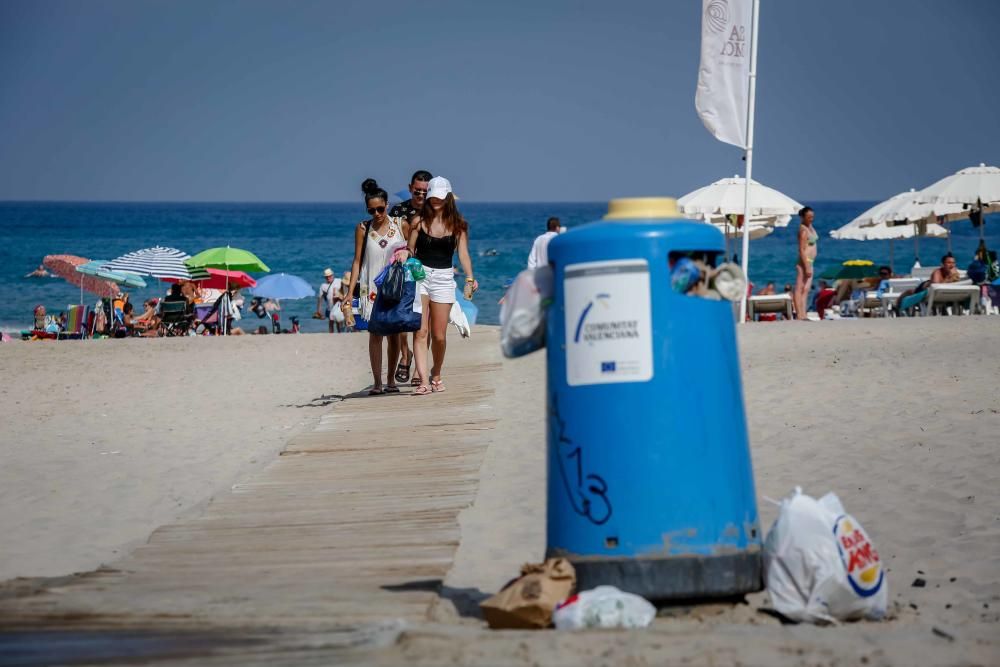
[(439, 187)]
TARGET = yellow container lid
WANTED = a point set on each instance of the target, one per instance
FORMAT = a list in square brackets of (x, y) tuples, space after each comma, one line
[(642, 208)]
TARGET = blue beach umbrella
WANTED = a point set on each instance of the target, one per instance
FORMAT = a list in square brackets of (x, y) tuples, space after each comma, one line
[(95, 268), (282, 286)]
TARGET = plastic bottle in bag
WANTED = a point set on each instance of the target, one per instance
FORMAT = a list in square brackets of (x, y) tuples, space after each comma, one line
[(604, 607)]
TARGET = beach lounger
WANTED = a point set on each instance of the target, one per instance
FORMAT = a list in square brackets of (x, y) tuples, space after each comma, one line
[(770, 303), (953, 297), (907, 304)]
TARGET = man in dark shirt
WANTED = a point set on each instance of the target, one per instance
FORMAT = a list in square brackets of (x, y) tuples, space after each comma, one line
[(418, 193), (406, 210)]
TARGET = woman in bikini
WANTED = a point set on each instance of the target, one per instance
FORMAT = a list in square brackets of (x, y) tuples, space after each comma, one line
[(435, 234), (807, 257), (377, 238)]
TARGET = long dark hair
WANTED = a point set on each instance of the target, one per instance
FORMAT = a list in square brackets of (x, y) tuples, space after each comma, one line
[(450, 216)]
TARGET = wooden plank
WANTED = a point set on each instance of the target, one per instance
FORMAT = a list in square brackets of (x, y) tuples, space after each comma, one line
[(365, 501)]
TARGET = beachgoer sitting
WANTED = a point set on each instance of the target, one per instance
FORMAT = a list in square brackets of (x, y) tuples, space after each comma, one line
[(767, 290), (946, 273), (39, 324)]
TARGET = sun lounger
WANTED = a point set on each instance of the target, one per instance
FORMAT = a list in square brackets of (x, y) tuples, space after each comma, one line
[(770, 303), (958, 297)]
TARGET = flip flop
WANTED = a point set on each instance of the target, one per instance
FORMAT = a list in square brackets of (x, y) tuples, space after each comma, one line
[(375, 391), (403, 372), (390, 389), (422, 390), (437, 386)]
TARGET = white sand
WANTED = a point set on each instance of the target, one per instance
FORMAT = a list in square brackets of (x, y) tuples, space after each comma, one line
[(104, 441), (900, 418)]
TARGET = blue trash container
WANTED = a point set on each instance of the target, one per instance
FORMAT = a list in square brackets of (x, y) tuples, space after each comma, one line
[(650, 486)]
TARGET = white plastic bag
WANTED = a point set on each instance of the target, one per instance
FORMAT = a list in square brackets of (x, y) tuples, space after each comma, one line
[(819, 564), (603, 607), (523, 313)]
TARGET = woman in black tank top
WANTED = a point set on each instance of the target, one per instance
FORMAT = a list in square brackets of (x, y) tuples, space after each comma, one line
[(435, 235)]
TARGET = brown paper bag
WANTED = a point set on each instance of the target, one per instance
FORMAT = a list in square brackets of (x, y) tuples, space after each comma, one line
[(528, 601)]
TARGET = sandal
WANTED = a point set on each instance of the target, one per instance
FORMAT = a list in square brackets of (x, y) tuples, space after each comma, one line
[(437, 386), (375, 391), (390, 389), (415, 381), (422, 390), (403, 371)]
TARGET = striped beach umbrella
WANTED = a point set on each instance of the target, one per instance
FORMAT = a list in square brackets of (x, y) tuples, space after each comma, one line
[(158, 262)]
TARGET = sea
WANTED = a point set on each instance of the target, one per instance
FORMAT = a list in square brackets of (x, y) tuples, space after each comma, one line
[(303, 239)]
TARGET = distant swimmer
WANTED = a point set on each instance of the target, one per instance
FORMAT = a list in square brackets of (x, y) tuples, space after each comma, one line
[(40, 272), (489, 252)]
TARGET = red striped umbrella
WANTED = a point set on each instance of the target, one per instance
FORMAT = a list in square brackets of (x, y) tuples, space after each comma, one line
[(64, 266)]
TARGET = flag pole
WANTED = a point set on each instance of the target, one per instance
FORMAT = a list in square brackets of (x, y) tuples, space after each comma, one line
[(749, 157)]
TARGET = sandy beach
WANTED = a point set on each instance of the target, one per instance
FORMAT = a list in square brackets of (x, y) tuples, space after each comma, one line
[(106, 441)]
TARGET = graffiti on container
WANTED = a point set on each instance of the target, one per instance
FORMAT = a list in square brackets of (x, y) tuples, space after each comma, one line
[(587, 492)]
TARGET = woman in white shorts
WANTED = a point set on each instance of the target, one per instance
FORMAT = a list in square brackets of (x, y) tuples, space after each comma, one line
[(435, 235)]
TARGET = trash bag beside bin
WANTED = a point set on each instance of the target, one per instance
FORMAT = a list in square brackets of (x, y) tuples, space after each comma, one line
[(650, 486)]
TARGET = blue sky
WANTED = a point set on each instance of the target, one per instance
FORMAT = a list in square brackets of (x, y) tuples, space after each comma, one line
[(515, 101)]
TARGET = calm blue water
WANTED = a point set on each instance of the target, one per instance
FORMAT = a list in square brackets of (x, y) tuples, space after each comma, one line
[(303, 239)]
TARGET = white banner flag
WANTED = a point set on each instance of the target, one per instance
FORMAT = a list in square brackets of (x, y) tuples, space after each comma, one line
[(724, 73)]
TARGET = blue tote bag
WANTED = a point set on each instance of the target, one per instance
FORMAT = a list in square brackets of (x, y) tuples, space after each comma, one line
[(392, 317)]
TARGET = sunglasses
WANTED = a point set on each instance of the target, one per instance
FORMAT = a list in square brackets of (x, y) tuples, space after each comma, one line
[(422, 193), (378, 209)]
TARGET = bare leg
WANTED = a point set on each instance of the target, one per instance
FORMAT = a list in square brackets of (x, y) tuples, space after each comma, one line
[(420, 342), (439, 336), (797, 292), (405, 356), (393, 350), (375, 356)]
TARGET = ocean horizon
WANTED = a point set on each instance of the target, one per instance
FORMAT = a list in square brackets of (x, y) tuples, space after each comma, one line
[(303, 238)]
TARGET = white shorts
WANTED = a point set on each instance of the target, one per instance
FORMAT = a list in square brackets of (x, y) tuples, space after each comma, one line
[(438, 284)]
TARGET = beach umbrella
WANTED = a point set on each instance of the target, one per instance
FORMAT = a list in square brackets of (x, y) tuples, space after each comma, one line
[(220, 279), (854, 269), (732, 228), (228, 258), (974, 188), (725, 197), (899, 217), (64, 266), (97, 268), (159, 262), (901, 211), (282, 286), (233, 259)]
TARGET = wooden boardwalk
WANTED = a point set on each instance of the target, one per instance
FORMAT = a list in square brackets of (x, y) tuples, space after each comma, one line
[(354, 524)]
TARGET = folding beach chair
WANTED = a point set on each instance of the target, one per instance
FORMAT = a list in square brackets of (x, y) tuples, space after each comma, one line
[(175, 320), (75, 321)]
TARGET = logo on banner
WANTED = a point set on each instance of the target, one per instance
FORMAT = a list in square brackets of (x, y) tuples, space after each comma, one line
[(717, 15)]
